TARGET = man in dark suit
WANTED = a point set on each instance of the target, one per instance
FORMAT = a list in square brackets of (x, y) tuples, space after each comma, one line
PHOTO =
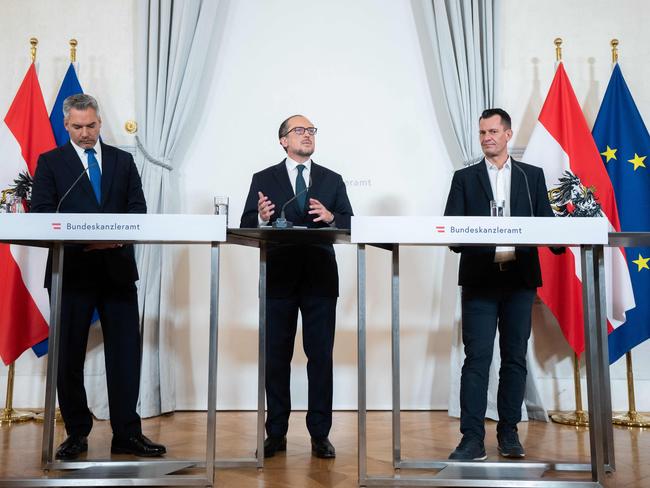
[(88, 176), (498, 287), (299, 277)]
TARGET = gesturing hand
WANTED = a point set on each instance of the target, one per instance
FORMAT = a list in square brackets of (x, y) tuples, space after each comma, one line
[(319, 210), (265, 207)]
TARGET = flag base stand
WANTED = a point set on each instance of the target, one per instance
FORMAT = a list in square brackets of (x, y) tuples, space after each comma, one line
[(40, 416), (11, 416), (632, 419), (579, 418)]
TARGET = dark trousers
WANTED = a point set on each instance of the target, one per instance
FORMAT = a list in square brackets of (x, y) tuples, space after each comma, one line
[(483, 310), (118, 312), (318, 319)]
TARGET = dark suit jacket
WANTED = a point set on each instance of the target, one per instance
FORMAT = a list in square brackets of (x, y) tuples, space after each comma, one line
[(470, 195), (309, 269), (121, 193)]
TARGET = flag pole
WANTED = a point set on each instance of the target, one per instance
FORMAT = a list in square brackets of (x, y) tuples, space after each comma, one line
[(9, 415), (73, 50), (631, 418), (32, 50), (577, 418)]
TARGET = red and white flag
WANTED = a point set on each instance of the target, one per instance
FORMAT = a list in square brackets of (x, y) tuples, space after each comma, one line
[(25, 133), (562, 145)]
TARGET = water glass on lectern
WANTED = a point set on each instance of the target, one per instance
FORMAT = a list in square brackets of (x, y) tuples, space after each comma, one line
[(497, 208)]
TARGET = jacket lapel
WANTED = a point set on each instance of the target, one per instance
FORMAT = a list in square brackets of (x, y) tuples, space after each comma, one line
[(75, 168), (484, 179), (284, 184), (519, 204), (109, 161)]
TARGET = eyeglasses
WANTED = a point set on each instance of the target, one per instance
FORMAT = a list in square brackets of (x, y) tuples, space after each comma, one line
[(301, 130)]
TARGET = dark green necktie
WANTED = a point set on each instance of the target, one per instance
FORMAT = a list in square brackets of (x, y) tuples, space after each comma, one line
[(300, 188)]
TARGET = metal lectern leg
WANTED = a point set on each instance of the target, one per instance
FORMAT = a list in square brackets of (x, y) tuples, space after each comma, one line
[(395, 359), (261, 367), (590, 297), (603, 357), (213, 356), (53, 355), (361, 362)]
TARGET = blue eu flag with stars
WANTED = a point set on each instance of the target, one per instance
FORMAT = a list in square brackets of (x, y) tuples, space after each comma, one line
[(624, 144)]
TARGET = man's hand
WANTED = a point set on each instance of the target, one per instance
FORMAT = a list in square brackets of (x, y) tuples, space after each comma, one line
[(322, 214), (265, 207), (101, 245)]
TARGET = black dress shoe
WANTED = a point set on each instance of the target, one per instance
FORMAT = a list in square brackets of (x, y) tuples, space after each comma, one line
[(138, 445), (72, 447), (273, 445), (321, 447)]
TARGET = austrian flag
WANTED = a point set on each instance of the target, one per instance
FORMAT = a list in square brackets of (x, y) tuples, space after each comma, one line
[(562, 145), (25, 133)]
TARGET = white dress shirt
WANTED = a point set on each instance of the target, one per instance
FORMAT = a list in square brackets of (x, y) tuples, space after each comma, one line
[(84, 157), (500, 183), (292, 171)]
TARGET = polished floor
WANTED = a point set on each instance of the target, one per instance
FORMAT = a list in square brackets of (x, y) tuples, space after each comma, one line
[(430, 435)]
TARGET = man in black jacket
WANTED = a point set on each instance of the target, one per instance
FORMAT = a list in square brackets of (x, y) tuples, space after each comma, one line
[(87, 176), (299, 278), (498, 287)]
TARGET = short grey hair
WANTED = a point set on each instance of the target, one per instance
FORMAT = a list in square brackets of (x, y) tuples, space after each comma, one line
[(80, 101)]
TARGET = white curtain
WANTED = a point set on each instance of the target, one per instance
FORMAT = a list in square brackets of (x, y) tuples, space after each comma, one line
[(463, 34), (171, 56)]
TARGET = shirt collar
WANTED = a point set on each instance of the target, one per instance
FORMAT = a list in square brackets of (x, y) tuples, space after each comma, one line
[(291, 164), (492, 167), (82, 152)]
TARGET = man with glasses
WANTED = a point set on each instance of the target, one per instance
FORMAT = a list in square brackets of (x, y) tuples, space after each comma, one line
[(299, 278), (498, 287)]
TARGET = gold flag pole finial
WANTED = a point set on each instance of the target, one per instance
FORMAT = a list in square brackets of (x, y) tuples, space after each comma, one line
[(73, 50), (32, 51), (558, 49), (614, 44)]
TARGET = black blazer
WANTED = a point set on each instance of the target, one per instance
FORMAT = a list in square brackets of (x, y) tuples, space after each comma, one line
[(470, 195), (121, 193), (310, 269)]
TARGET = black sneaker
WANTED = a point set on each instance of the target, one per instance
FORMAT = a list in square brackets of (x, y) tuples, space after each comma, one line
[(509, 445), (469, 449)]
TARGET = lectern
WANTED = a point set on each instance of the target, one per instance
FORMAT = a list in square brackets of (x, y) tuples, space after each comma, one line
[(588, 233), (55, 230), (261, 238)]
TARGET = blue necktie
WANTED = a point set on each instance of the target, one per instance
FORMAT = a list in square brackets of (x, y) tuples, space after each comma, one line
[(300, 187), (95, 174)]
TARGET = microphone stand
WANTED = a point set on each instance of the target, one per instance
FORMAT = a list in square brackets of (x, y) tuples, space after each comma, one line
[(281, 222)]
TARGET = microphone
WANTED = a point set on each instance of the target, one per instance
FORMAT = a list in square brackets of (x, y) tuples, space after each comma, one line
[(281, 222), (94, 163), (530, 201)]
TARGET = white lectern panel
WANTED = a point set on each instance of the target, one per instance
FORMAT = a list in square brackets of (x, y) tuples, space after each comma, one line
[(113, 227), (480, 230)]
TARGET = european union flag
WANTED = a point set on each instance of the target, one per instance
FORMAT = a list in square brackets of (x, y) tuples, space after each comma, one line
[(69, 86), (624, 144)]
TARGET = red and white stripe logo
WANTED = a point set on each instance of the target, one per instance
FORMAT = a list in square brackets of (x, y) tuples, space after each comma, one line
[(440, 229), (56, 225)]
